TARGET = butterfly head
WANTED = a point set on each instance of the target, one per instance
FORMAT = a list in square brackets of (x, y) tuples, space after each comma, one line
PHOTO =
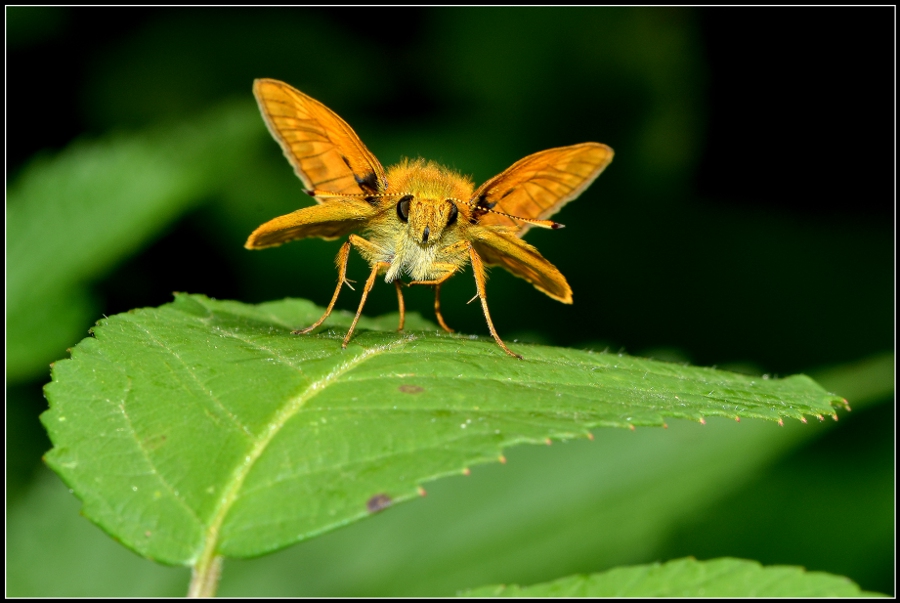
[(427, 219), (430, 203)]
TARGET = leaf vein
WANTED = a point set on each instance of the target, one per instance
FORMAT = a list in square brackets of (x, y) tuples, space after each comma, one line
[(140, 445), (192, 373), (231, 489)]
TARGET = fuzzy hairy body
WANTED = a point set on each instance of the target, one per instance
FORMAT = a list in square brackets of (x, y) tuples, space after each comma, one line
[(404, 246), (418, 220)]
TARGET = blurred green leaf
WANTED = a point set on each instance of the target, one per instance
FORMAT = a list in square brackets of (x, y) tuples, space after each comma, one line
[(205, 426), (866, 381), (73, 216), (828, 506), (45, 531), (688, 578)]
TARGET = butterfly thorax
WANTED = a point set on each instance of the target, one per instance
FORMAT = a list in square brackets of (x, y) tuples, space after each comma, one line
[(422, 220)]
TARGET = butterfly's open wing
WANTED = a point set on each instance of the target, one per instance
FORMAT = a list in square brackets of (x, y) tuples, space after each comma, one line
[(502, 247), (326, 153), (327, 220), (328, 157), (537, 186)]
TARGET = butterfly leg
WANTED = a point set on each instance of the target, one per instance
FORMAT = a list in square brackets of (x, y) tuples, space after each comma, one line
[(436, 283), (449, 270), (437, 308), (478, 269), (376, 268), (398, 284), (341, 261)]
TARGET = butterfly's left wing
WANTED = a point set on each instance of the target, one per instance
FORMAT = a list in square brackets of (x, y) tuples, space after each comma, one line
[(537, 186), (501, 247)]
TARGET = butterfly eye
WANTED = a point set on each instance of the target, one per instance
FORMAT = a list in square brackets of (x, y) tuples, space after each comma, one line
[(454, 213), (403, 208)]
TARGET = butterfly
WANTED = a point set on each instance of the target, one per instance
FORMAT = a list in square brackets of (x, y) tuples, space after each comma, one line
[(417, 220)]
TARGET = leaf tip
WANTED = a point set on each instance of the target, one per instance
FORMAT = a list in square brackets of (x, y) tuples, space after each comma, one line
[(590, 436), (834, 416), (502, 459), (631, 427), (702, 421), (737, 419), (466, 471), (802, 419), (780, 422), (422, 491), (548, 441), (820, 417)]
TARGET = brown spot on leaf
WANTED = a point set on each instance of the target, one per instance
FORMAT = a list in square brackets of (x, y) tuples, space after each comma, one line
[(411, 389), (379, 502), (155, 441)]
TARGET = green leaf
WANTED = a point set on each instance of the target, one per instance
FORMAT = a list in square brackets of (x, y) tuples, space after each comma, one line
[(75, 215), (205, 428), (45, 531), (688, 578)]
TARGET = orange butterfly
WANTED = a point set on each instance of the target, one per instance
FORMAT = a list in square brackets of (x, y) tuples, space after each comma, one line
[(418, 219)]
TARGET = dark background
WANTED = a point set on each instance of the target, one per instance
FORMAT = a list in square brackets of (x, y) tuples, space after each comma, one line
[(752, 185), (747, 220)]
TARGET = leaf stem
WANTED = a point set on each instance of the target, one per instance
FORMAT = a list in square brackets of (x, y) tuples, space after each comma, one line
[(205, 577)]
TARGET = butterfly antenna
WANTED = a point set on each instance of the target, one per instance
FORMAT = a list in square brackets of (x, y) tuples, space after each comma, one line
[(328, 195), (542, 223)]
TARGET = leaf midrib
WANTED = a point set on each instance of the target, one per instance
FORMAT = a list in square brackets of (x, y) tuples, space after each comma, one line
[(233, 485)]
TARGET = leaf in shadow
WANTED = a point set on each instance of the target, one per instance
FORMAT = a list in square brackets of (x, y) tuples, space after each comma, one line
[(688, 578), (75, 215)]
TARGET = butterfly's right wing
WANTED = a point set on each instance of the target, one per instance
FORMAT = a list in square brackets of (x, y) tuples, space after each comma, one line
[(327, 220), (326, 153), (328, 157)]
